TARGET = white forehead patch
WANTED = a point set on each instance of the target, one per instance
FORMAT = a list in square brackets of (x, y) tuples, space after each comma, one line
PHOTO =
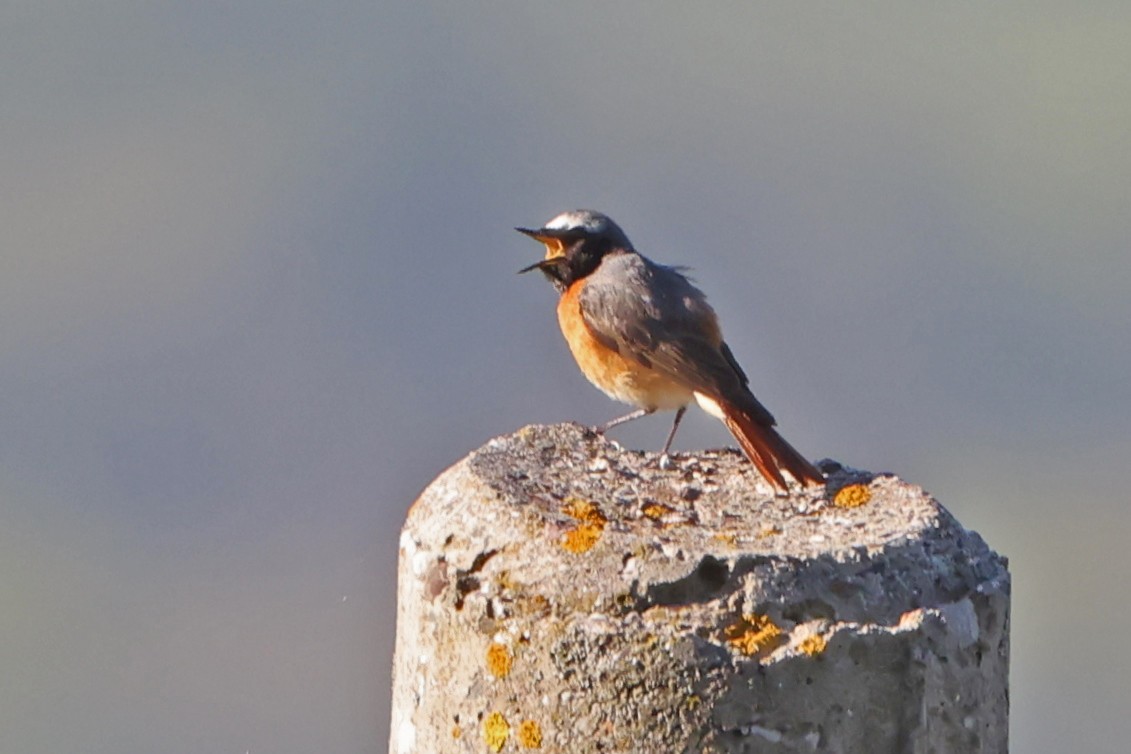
[(592, 221)]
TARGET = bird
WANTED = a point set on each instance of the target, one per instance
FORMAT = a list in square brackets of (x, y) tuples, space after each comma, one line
[(645, 335)]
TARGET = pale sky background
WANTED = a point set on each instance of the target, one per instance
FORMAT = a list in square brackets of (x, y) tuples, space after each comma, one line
[(257, 289)]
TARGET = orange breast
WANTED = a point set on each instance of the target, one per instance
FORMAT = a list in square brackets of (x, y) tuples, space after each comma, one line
[(621, 378)]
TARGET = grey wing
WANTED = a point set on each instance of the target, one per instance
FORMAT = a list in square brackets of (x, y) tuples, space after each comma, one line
[(654, 315)]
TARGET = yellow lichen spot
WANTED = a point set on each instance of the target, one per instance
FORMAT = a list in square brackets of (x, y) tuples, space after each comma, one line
[(530, 734), (499, 660), (584, 511), (456, 732), (852, 496), (582, 538), (656, 511), (813, 645), (751, 634), (591, 522), (768, 531), (495, 731)]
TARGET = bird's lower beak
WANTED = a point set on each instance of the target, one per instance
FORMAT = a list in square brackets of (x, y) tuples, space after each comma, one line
[(536, 266)]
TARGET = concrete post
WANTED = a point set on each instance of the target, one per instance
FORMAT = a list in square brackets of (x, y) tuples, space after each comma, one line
[(560, 594)]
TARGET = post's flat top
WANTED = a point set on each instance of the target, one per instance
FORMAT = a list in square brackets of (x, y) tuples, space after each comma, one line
[(570, 502), (713, 494)]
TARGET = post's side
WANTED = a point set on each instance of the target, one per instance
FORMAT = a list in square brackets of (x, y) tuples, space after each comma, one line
[(559, 594)]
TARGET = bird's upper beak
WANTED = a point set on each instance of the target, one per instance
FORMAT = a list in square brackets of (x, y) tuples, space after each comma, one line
[(533, 233)]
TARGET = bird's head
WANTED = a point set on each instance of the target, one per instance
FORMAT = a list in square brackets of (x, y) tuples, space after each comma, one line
[(575, 242)]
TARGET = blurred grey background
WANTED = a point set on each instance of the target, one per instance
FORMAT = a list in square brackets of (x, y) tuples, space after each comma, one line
[(257, 289)]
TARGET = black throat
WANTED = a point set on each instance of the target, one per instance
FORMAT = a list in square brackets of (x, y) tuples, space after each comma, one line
[(580, 260)]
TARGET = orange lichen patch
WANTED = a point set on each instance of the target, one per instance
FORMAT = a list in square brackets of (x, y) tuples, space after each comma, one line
[(591, 522), (530, 734), (499, 660), (726, 538), (656, 511), (495, 731), (582, 538), (584, 511), (813, 645), (456, 732), (768, 531), (852, 496), (751, 634)]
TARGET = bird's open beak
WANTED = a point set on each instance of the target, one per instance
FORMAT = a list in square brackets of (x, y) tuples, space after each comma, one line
[(537, 235), (551, 238)]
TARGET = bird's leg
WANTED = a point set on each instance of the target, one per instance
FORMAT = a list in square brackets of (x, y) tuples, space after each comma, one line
[(665, 460), (603, 428)]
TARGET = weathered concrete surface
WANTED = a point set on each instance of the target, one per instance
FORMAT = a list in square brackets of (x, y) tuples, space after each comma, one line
[(561, 594)]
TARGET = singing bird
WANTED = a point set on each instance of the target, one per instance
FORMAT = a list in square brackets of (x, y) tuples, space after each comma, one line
[(644, 335)]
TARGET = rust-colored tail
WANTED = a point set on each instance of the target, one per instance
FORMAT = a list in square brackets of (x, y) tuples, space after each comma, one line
[(768, 450)]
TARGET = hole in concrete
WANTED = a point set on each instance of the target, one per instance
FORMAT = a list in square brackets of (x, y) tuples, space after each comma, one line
[(814, 609), (466, 582), (701, 585)]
